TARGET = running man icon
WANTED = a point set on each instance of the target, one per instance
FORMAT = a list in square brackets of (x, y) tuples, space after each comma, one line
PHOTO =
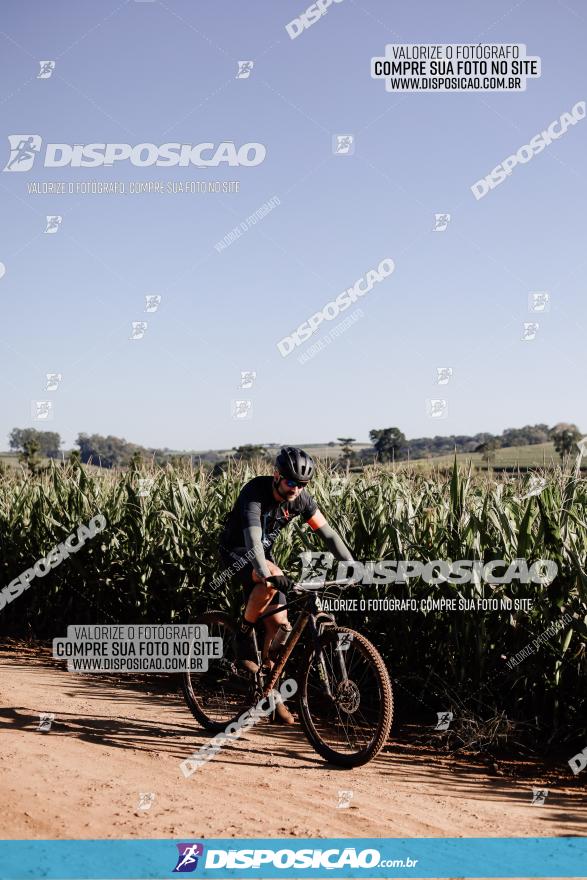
[(23, 152), (47, 68), (188, 857)]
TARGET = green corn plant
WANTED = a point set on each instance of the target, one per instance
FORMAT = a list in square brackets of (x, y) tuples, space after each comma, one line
[(157, 558)]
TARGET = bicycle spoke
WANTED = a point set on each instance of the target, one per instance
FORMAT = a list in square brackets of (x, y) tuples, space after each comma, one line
[(348, 720), (222, 692)]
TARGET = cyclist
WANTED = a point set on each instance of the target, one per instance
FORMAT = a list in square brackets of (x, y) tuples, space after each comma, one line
[(264, 507)]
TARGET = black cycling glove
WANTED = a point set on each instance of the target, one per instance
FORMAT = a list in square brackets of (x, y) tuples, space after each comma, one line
[(281, 582)]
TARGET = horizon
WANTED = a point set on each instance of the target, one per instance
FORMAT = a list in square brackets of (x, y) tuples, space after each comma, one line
[(316, 443)]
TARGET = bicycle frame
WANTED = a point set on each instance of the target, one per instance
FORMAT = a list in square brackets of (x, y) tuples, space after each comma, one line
[(308, 616)]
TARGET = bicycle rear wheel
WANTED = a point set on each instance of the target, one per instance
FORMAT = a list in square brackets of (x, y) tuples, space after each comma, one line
[(222, 693), (346, 698)]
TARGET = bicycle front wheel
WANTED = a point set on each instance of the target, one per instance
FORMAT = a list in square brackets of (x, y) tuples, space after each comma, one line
[(346, 698)]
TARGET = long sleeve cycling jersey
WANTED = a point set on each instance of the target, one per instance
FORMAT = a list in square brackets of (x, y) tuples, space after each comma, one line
[(256, 520)]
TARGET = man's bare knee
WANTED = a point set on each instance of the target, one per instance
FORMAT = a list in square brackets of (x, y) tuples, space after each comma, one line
[(274, 570)]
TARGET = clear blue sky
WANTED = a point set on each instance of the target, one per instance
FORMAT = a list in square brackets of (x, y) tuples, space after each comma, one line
[(157, 72)]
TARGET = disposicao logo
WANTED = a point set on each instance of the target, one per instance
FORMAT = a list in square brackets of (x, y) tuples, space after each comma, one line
[(189, 853), (284, 858), (331, 310), (24, 149)]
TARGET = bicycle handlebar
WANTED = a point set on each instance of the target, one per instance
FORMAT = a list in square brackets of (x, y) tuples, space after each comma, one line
[(314, 586)]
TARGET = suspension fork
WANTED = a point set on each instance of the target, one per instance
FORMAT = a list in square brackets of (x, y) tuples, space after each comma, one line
[(341, 652), (322, 670)]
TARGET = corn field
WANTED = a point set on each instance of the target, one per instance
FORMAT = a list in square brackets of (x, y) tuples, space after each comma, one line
[(157, 556)]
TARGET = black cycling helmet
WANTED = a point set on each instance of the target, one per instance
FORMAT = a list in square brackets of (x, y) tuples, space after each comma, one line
[(295, 464)]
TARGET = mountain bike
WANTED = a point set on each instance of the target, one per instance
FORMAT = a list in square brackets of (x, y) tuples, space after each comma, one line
[(344, 693)]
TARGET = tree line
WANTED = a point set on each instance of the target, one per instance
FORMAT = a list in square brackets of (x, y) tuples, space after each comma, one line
[(389, 444)]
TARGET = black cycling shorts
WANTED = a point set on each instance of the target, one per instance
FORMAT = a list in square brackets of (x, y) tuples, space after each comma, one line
[(242, 571)]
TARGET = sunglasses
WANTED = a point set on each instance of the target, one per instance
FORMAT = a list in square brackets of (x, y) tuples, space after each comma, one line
[(293, 484)]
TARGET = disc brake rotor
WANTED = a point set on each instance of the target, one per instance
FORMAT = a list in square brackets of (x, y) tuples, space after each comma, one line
[(348, 696)]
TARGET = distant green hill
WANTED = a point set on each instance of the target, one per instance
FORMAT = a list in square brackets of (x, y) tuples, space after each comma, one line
[(538, 455)]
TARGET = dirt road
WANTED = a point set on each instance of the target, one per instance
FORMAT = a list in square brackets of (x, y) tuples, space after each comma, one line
[(111, 740)]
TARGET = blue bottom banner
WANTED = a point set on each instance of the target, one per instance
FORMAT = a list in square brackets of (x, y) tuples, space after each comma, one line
[(335, 858)]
